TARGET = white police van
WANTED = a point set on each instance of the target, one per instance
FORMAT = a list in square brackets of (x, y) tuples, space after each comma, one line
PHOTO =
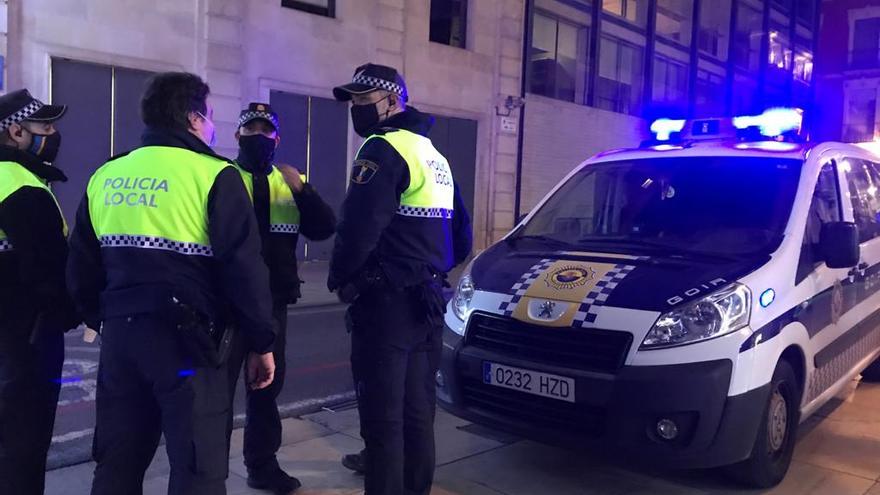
[(686, 304)]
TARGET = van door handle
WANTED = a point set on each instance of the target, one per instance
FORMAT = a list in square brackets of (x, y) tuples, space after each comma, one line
[(858, 270)]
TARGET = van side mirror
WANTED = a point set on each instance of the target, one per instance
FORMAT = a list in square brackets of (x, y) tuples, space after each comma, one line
[(839, 244)]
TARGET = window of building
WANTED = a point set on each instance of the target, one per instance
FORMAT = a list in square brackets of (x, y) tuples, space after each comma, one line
[(714, 33), (866, 44), (675, 20), (747, 39), (861, 116), (558, 58), (449, 22), (619, 82), (635, 11), (806, 11), (710, 94), (670, 82), (320, 7), (825, 208), (803, 64), (780, 49), (745, 89)]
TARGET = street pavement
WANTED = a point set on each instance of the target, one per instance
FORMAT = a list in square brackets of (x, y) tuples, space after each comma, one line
[(838, 454)]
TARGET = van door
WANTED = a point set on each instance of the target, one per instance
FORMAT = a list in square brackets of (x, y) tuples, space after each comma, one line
[(855, 298)]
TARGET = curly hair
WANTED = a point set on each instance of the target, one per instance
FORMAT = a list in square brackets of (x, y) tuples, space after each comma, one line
[(170, 97)]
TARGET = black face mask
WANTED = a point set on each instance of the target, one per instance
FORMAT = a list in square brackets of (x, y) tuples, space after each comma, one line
[(256, 152), (45, 146), (366, 117)]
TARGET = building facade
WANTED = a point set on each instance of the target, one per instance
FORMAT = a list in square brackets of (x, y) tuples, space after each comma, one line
[(848, 71), (461, 59), (597, 71)]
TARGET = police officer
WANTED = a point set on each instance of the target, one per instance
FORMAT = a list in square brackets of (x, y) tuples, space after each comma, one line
[(35, 309), (285, 205), (403, 227), (163, 235)]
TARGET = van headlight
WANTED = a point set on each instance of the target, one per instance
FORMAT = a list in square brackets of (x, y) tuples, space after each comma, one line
[(721, 313), (464, 293)]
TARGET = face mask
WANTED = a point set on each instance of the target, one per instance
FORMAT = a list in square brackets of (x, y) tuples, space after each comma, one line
[(209, 124), (256, 152), (45, 146), (366, 117)]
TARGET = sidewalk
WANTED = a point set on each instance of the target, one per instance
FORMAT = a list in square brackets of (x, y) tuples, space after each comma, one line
[(838, 454)]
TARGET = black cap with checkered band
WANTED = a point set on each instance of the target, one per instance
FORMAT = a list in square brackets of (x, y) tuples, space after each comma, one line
[(18, 106), (371, 77), (256, 111)]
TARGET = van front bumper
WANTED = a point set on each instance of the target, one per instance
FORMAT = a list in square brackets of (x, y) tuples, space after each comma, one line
[(617, 412)]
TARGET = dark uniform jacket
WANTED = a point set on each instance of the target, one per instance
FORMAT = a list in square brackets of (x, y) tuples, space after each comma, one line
[(32, 275), (317, 223), (372, 233), (230, 277)]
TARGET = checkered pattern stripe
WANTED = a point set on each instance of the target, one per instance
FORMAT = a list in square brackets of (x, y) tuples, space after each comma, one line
[(284, 228), (160, 243), (5, 245), (418, 211), (824, 377), (378, 84), (520, 288), (248, 116), (588, 311), (20, 115)]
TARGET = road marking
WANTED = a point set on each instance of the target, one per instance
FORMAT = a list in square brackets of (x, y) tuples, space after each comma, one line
[(74, 435)]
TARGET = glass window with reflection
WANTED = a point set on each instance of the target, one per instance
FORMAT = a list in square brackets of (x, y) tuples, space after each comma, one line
[(748, 36), (558, 57), (824, 208), (675, 20), (714, 33), (670, 82), (634, 11), (620, 78), (710, 93), (449, 22)]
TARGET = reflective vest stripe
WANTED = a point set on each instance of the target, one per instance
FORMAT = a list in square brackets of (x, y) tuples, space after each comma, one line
[(415, 211), (280, 228), (160, 243)]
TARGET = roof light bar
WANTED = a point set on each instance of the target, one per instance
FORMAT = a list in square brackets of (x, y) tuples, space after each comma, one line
[(773, 122), (663, 129)]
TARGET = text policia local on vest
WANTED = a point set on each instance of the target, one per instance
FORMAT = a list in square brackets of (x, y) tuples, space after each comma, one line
[(133, 191)]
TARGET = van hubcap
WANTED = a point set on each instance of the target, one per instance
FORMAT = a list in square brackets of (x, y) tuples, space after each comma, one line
[(778, 421)]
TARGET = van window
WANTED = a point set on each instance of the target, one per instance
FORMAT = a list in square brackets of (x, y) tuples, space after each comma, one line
[(824, 208), (723, 206), (864, 181)]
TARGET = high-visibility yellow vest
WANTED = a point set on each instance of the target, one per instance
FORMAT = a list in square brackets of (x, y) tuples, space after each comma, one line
[(13, 176), (155, 197), (284, 215), (431, 192)]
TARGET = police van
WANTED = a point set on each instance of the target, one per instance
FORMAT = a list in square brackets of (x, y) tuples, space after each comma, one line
[(686, 304)]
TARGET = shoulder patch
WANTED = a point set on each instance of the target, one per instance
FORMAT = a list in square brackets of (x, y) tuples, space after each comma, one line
[(363, 171)]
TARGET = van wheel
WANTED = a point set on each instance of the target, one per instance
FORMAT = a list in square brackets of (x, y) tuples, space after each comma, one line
[(774, 445), (872, 372)]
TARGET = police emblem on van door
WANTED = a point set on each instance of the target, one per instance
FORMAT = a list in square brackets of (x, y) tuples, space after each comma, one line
[(570, 277)]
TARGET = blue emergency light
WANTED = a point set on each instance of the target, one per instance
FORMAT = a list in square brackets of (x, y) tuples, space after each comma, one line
[(774, 122), (663, 129)]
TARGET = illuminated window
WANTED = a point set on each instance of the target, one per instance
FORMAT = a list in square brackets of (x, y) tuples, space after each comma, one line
[(674, 20), (635, 11)]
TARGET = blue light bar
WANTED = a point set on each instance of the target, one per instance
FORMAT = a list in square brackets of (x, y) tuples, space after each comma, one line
[(664, 128), (773, 122)]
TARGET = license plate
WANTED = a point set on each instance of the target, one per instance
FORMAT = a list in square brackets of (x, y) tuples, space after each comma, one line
[(530, 382)]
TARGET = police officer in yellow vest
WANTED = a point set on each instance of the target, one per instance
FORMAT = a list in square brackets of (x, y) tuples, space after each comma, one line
[(35, 309), (286, 206), (165, 242), (403, 227)]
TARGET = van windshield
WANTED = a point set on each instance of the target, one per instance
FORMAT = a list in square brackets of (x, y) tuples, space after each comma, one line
[(723, 206)]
